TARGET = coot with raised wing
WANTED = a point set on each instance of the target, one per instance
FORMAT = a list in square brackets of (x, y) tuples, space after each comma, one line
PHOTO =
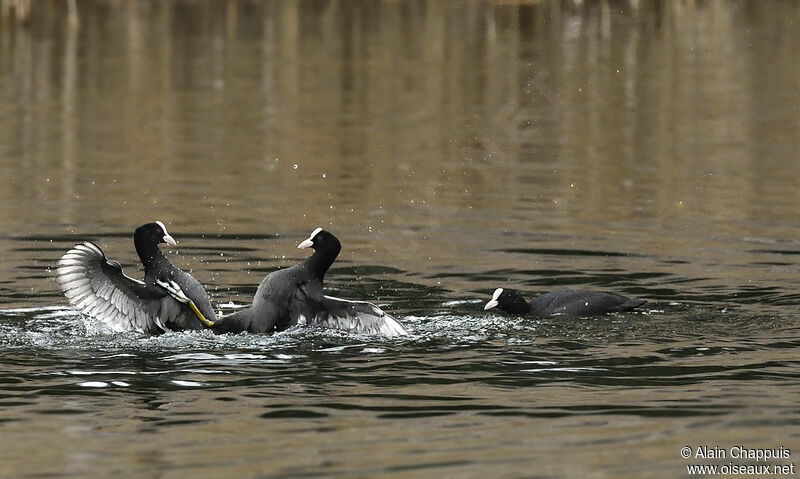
[(167, 299)]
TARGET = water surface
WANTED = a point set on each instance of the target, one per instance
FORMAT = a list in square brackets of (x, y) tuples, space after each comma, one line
[(453, 147)]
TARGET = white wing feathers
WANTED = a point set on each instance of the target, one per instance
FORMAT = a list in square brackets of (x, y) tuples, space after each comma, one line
[(99, 289), (360, 317)]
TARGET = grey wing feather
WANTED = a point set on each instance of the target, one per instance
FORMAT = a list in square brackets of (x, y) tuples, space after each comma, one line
[(301, 311), (193, 290), (313, 289), (99, 289), (359, 317)]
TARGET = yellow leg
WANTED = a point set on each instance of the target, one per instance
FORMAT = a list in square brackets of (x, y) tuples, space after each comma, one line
[(207, 323)]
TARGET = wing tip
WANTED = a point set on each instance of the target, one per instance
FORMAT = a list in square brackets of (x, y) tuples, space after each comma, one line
[(363, 317), (77, 273), (392, 328)]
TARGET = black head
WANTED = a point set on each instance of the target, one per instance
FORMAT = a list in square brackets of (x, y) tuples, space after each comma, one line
[(153, 234), (509, 301), (326, 248), (321, 240)]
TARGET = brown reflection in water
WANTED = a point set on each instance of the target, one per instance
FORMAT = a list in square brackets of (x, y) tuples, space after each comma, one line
[(422, 131), (409, 120)]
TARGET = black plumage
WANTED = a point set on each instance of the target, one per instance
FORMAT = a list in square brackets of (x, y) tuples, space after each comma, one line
[(294, 296), (563, 303), (167, 299)]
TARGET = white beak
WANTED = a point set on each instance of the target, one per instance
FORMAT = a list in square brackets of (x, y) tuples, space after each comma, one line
[(170, 240), (310, 241), (493, 302), (167, 238)]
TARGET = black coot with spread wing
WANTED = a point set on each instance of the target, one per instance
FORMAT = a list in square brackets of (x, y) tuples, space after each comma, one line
[(167, 299), (563, 302), (294, 295)]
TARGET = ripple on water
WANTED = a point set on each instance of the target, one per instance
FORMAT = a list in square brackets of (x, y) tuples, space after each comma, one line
[(632, 350)]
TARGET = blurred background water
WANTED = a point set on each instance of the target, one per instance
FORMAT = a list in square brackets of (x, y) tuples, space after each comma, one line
[(645, 148)]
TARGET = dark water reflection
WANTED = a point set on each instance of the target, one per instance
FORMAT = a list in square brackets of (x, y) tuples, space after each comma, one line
[(647, 148)]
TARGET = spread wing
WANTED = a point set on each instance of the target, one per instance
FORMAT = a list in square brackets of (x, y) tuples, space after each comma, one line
[(98, 288), (359, 317)]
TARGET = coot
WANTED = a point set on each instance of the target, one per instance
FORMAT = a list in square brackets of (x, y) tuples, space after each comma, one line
[(167, 299), (562, 302), (294, 296)]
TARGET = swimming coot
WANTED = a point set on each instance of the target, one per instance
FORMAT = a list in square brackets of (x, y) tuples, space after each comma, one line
[(294, 296), (563, 302), (167, 299)]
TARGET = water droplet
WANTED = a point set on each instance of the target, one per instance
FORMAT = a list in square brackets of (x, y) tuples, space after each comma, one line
[(294, 166)]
